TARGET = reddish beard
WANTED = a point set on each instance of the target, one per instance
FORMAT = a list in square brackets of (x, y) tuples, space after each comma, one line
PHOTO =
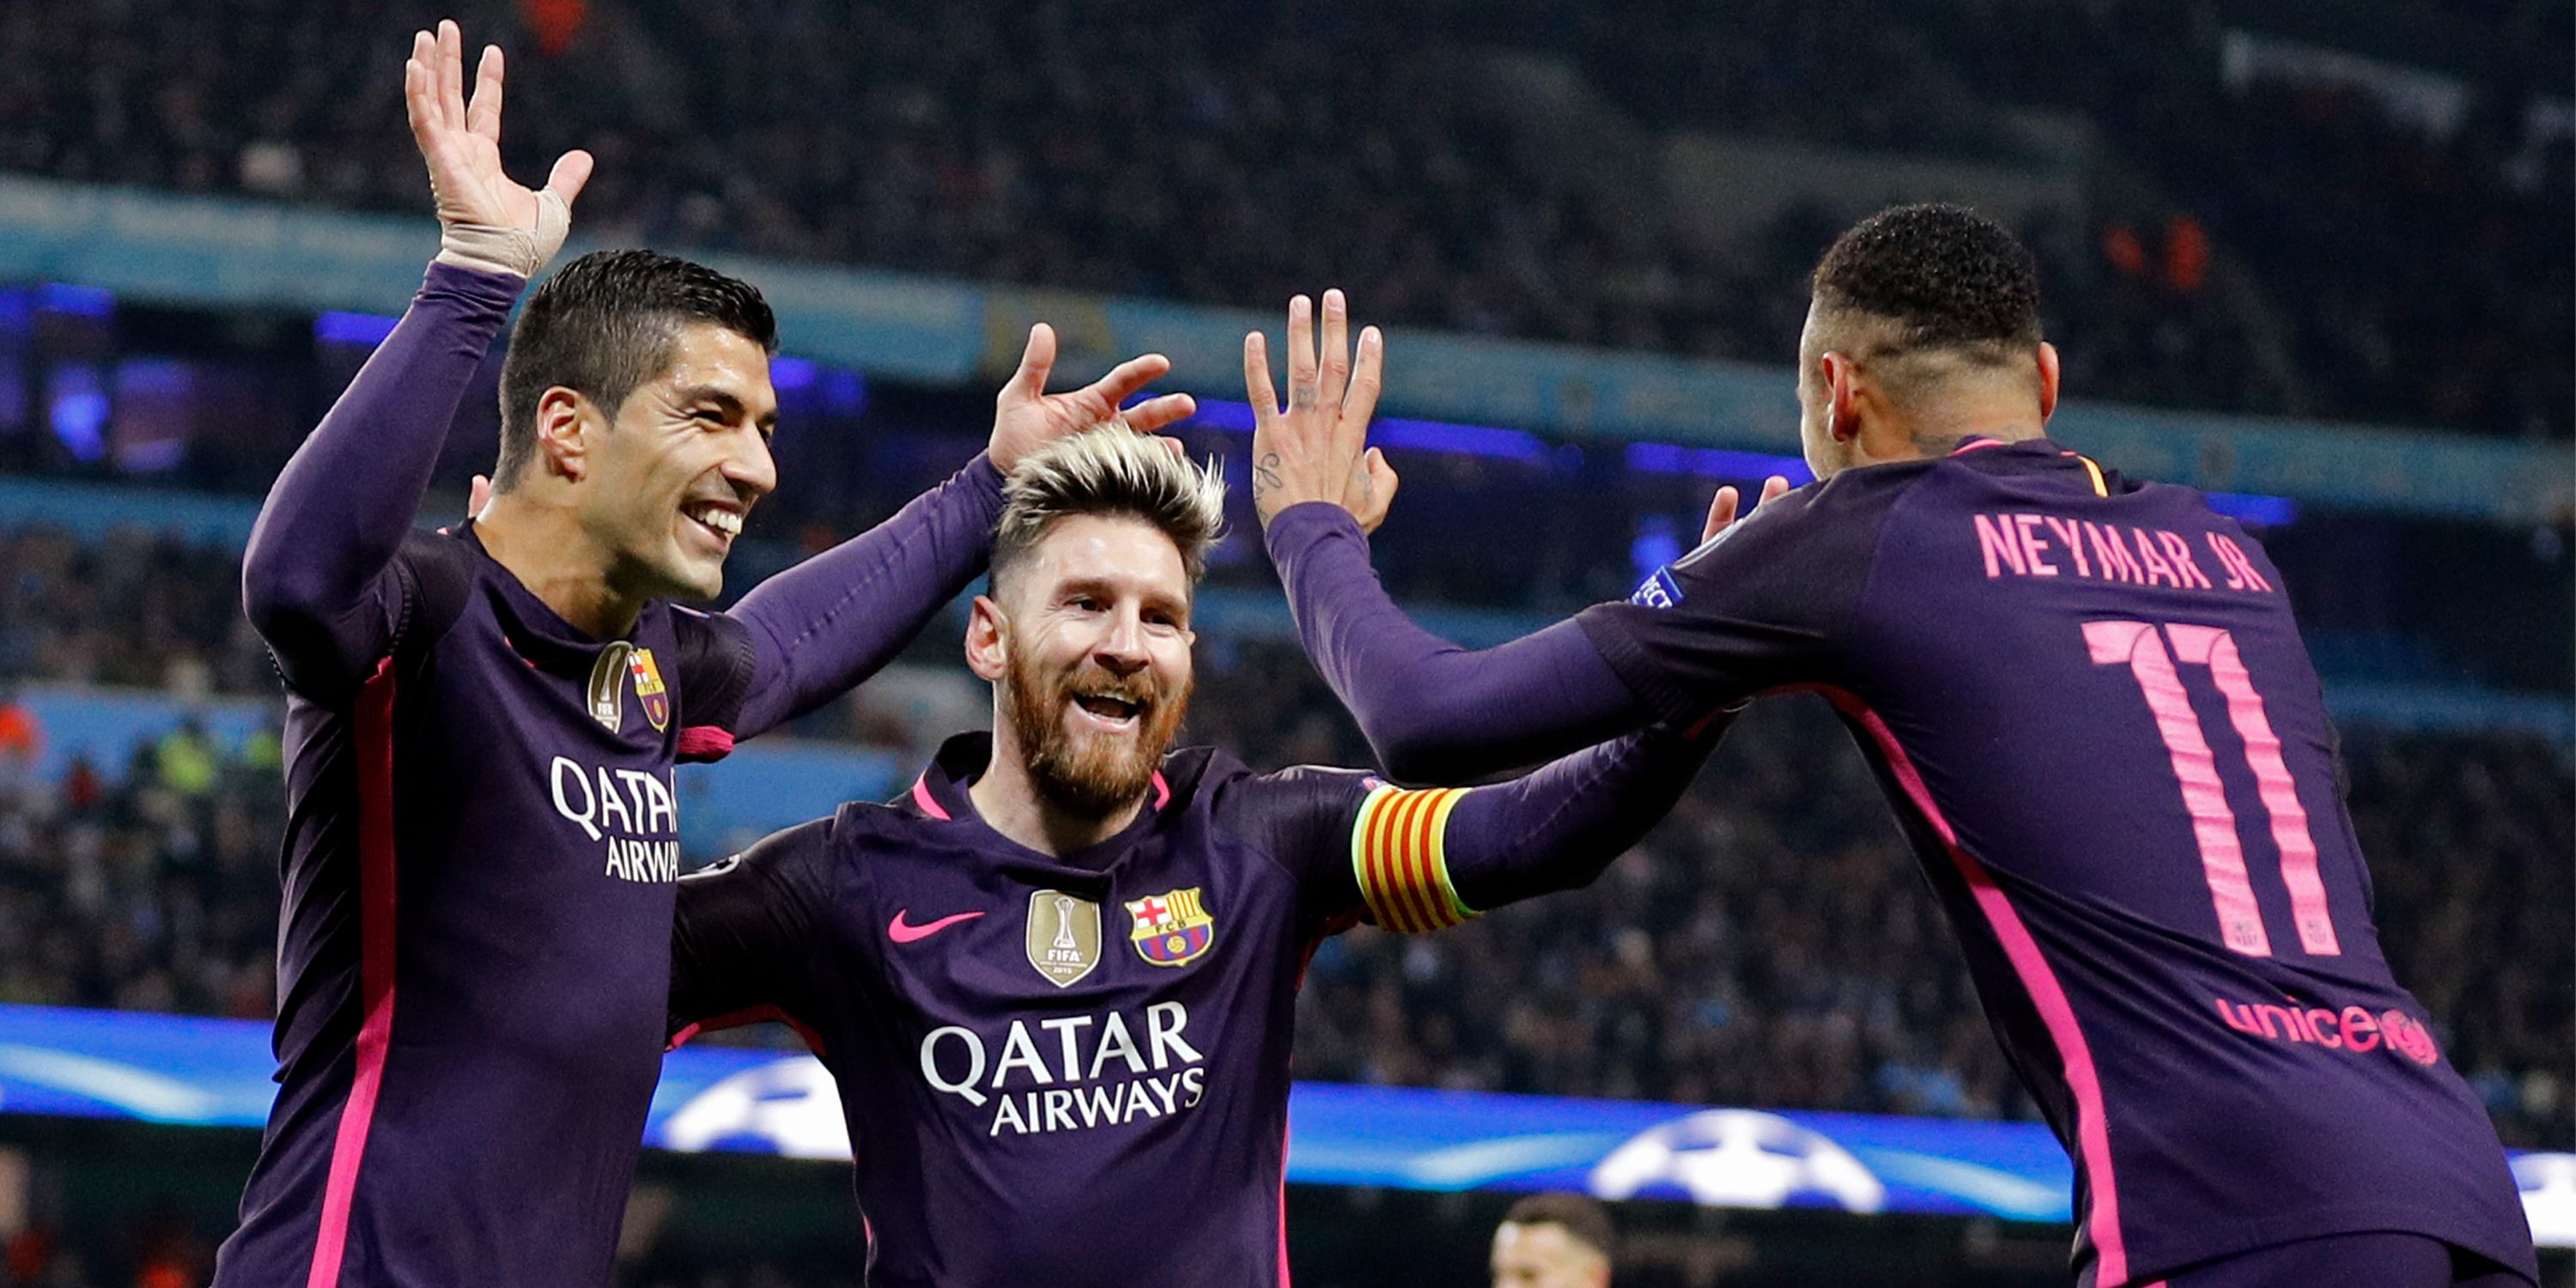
[(1090, 775)]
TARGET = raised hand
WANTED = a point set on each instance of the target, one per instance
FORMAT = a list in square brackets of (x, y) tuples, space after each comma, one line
[(1722, 507), (1026, 416), (1316, 448), (489, 220)]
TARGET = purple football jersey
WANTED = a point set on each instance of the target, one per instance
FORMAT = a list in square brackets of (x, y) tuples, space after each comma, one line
[(481, 843), (2089, 703), (1054, 1071)]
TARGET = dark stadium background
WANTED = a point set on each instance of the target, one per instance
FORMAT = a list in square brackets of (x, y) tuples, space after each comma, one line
[(2339, 214)]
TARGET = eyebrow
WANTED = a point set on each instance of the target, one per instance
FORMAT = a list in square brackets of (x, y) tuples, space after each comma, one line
[(1102, 585), (726, 401)]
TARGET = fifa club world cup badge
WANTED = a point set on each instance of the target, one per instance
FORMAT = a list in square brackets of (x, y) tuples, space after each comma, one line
[(1172, 928), (608, 685), (1063, 936), (649, 690)]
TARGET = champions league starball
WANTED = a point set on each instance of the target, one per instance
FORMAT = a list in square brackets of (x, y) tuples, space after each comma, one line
[(1738, 1158)]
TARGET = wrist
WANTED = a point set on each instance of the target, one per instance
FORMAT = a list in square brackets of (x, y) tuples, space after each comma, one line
[(497, 248)]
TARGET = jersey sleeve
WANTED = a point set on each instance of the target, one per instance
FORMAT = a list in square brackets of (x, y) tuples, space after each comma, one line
[(1414, 860), (715, 675), (321, 575), (1762, 605), (742, 935)]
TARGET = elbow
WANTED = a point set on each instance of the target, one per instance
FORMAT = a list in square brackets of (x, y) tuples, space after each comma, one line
[(1417, 752)]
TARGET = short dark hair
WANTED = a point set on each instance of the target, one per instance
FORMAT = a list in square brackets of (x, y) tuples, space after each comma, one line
[(1948, 276), (604, 324), (1586, 1220)]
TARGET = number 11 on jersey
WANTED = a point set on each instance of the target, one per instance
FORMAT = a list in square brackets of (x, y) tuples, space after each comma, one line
[(2141, 646)]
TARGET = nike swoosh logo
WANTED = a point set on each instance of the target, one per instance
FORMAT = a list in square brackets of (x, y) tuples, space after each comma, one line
[(903, 932)]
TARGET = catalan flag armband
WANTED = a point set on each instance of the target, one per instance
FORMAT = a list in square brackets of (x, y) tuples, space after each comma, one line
[(1399, 853)]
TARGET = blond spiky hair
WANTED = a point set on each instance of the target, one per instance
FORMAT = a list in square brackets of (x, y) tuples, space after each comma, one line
[(1111, 470)]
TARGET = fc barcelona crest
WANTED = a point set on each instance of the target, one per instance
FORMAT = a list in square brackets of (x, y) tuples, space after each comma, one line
[(1172, 928), (1063, 936), (649, 689)]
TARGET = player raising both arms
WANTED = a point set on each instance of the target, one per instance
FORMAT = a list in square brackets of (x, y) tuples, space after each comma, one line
[(482, 829), (1056, 984), (2090, 706)]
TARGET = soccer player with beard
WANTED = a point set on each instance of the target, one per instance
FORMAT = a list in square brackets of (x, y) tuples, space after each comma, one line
[(482, 832), (2088, 700), (1056, 981)]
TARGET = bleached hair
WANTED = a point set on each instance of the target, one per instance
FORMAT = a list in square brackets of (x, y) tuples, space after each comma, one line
[(1111, 470)]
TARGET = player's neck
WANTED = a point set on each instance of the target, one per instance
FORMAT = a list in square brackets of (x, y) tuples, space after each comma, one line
[(1009, 803), (546, 549), (1930, 438)]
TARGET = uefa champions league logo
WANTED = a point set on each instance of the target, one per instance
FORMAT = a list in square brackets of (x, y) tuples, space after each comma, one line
[(1738, 1158)]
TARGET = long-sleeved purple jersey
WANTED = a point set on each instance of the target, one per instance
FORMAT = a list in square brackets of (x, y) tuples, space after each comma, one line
[(2088, 701), (483, 833), (1074, 1071)]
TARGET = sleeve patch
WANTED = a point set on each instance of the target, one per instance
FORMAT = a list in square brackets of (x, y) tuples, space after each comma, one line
[(1658, 591), (1399, 855)]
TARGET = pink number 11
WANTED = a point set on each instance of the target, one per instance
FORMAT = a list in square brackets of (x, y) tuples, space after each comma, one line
[(2141, 645)]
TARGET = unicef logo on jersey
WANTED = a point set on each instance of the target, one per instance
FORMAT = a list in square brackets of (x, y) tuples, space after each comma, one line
[(1739, 1158), (1658, 591)]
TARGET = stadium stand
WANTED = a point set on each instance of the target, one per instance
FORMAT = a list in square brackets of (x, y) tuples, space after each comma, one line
[(2393, 271)]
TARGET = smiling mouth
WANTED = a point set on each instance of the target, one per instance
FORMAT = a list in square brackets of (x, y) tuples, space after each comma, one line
[(726, 524), (1110, 710)]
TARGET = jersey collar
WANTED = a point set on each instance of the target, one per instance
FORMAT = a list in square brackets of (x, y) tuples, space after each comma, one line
[(940, 794)]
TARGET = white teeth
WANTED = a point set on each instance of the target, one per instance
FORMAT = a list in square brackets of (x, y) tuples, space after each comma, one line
[(718, 518)]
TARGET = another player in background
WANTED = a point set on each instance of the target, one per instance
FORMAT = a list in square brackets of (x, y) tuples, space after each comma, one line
[(2087, 699), (483, 829), (1056, 983), (1554, 1241)]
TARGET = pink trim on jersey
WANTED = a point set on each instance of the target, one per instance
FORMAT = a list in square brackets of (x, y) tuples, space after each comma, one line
[(1975, 443), (375, 749), (1162, 791), (2092, 1129), (704, 743), (1283, 1206), (929, 804)]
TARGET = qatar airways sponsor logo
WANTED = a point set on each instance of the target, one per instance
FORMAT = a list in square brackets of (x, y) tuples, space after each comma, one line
[(2353, 1029), (1072, 1072), (632, 814)]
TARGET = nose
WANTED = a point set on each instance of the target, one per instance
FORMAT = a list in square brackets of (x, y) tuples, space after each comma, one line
[(750, 468), (1121, 649)]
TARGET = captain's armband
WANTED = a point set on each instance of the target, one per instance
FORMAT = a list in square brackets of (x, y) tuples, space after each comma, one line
[(1399, 853)]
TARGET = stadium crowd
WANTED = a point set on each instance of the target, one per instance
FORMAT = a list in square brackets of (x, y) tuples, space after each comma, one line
[(2400, 275), (1768, 945)]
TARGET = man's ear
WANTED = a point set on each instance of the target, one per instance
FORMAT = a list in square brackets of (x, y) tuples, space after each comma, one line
[(2048, 372), (1842, 396), (987, 648), (564, 421)]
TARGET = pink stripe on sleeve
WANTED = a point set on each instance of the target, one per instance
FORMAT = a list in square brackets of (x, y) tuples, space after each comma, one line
[(375, 750), (929, 804), (2092, 1128)]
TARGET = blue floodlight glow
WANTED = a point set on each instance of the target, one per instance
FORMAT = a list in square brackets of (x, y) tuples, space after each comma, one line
[(845, 392), (2259, 511), (1657, 544), (80, 301), (1715, 462), (1397, 431), (368, 329), (788, 374), (80, 411)]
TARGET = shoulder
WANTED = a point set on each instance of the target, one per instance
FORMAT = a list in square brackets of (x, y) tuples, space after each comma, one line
[(1287, 808), (438, 571)]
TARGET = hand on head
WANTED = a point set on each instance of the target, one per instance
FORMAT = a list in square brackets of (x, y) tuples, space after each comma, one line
[(1316, 448)]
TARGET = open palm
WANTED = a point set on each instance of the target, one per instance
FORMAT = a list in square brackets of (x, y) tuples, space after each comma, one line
[(1027, 417), (461, 141)]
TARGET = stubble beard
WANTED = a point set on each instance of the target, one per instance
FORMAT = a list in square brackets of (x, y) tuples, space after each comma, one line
[(1090, 776)]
